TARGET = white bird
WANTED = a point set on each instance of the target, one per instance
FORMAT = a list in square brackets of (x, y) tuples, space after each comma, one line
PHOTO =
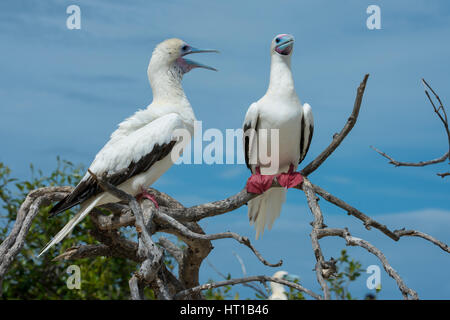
[(278, 292), (139, 151), (280, 109)]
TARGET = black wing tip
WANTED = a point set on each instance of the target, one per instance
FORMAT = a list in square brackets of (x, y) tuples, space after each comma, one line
[(61, 206), (56, 209)]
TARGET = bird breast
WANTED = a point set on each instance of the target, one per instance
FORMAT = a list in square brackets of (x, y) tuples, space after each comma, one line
[(286, 118)]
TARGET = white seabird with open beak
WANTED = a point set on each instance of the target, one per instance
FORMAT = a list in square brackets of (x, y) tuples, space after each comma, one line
[(279, 109), (139, 151)]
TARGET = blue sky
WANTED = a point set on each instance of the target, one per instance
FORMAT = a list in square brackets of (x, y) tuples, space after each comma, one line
[(64, 91)]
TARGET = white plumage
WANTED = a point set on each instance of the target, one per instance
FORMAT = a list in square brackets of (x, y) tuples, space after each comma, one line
[(280, 109), (278, 292), (139, 151)]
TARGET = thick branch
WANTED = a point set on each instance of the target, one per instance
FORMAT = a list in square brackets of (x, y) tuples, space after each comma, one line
[(317, 225), (172, 249), (13, 243)]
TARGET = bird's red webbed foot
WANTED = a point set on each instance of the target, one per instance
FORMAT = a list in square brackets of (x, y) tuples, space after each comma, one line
[(258, 183), (290, 179), (144, 194)]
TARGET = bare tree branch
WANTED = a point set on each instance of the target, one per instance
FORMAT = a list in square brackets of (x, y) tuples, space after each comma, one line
[(207, 286), (411, 164), (368, 222), (353, 241), (245, 284), (414, 233), (13, 243), (442, 115), (339, 137), (317, 224), (189, 234), (170, 247), (444, 174), (173, 218)]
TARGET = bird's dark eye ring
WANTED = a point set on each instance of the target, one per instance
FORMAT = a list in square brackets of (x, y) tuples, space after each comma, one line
[(185, 47), (277, 40)]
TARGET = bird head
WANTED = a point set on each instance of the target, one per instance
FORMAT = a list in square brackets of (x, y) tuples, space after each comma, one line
[(285, 276), (171, 54), (283, 45)]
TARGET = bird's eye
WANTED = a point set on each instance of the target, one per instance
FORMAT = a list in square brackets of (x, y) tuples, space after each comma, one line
[(185, 48), (277, 40)]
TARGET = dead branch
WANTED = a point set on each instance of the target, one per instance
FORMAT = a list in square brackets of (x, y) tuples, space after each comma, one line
[(414, 233), (192, 235), (339, 137), (442, 115), (173, 218), (353, 241), (411, 164), (13, 243), (231, 282), (317, 224), (245, 284), (443, 175), (367, 221)]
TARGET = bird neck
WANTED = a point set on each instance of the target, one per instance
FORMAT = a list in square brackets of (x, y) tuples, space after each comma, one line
[(166, 83), (277, 288), (281, 80)]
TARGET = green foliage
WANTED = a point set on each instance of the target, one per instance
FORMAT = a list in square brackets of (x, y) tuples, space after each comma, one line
[(30, 277), (347, 272), (294, 294), (221, 293)]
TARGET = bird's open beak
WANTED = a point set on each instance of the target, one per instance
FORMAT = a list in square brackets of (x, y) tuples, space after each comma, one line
[(285, 45), (193, 64)]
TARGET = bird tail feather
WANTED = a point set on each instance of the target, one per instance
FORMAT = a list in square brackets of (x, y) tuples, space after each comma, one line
[(265, 209), (84, 210)]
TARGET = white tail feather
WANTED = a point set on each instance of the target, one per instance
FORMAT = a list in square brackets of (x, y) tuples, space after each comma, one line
[(265, 209), (84, 210)]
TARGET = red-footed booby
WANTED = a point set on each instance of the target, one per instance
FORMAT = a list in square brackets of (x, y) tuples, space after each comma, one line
[(139, 151), (278, 292), (279, 109)]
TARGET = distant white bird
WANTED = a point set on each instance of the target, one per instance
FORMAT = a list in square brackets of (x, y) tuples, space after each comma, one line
[(278, 292), (280, 109), (138, 152)]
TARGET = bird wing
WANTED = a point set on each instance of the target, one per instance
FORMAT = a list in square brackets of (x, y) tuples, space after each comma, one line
[(125, 158), (250, 127), (307, 130)]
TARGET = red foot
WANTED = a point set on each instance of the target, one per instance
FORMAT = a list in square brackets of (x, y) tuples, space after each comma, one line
[(290, 179), (146, 195), (258, 183)]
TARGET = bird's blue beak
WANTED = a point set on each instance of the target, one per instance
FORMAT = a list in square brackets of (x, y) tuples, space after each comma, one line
[(284, 44), (190, 64)]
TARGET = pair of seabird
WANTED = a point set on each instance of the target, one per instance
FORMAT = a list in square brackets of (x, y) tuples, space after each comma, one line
[(139, 151)]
